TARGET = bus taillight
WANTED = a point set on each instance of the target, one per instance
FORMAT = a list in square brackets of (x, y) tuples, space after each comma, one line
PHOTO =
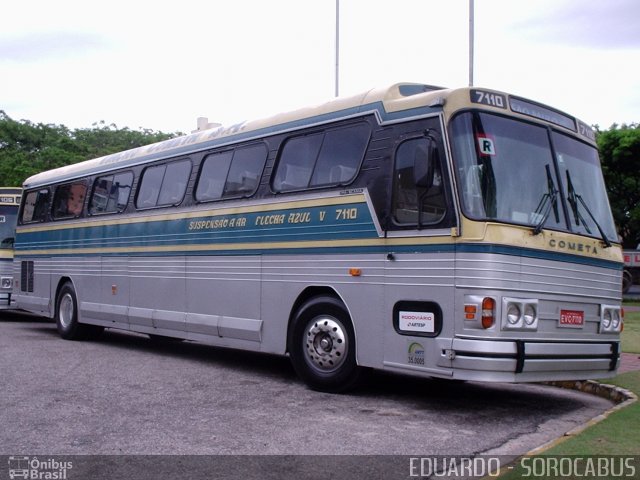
[(488, 312)]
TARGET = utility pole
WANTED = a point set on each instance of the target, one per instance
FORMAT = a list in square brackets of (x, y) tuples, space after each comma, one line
[(337, 88), (471, 33)]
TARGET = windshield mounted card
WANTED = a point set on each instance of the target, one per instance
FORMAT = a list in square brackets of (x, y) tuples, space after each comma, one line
[(486, 145)]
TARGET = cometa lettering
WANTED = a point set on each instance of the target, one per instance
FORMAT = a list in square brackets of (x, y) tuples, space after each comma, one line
[(573, 246)]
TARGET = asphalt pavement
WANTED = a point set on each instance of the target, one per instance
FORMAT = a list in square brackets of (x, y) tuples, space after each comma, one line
[(123, 395)]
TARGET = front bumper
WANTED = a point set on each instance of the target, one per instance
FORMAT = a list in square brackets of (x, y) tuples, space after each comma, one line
[(531, 361)]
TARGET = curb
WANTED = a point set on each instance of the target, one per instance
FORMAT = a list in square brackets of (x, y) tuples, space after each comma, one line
[(621, 396)]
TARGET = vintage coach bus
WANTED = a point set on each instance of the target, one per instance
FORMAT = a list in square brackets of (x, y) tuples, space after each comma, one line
[(456, 233), (9, 204)]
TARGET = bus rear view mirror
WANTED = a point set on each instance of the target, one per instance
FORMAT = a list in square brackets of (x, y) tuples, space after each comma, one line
[(425, 158)]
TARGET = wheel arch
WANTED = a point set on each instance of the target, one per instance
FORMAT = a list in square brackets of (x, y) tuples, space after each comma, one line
[(307, 294), (61, 281)]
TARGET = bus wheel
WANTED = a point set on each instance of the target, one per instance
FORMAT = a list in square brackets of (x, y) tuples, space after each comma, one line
[(67, 316), (322, 345)]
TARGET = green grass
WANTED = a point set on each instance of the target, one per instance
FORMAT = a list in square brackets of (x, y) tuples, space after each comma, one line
[(619, 433), (631, 332)]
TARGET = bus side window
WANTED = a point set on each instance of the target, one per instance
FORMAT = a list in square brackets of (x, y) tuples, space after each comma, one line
[(164, 185), (111, 193), (232, 173), (35, 207), (213, 175), (174, 184), (68, 200), (328, 158), (342, 151), (246, 170), (296, 162)]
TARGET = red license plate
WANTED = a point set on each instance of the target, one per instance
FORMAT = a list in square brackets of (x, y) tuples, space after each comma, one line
[(571, 318)]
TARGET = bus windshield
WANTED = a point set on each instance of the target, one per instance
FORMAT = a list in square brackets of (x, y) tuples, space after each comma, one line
[(507, 172), (7, 226)]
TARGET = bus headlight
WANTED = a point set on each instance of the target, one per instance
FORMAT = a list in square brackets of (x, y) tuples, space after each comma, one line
[(610, 319), (530, 314), (519, 314), (615, 322), (6, 282), (606, 319), (513, 313)]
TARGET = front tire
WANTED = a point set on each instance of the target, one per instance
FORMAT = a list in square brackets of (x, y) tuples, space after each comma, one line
[(67, 316), (322, 345)]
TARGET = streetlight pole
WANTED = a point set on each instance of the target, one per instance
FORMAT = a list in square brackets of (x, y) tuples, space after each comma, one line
[(337, 87), (471, 33)]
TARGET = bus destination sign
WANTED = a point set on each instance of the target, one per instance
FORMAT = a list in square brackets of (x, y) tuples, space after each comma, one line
[(536, 110)]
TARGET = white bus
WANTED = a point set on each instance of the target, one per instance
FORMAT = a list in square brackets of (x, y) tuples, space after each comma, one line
[(454, 233), (9, 204)]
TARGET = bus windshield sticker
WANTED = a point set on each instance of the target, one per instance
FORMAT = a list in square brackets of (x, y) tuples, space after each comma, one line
[(488, 98), (486, 145)]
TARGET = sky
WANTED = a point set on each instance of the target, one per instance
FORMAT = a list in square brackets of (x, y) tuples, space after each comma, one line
[(161, 64)]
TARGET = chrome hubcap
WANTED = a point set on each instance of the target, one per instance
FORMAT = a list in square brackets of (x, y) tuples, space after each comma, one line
[(325, 344), (65, 314)]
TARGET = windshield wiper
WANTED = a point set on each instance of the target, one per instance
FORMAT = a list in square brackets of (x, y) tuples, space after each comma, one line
[(548, 201), (575, 200)]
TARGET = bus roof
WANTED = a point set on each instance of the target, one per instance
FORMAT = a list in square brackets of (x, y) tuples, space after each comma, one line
[(393, 103)]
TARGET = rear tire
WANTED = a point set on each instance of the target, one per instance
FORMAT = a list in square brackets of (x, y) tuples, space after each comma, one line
[(67, 316), (322, 345)]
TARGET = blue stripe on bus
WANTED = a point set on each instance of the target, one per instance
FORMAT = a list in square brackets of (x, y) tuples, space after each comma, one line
[(288, 225), (537, 254), (332, 228), (219, 249), (382, 248)]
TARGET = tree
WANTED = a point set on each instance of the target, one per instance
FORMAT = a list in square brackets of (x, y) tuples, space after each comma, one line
[(620, 155), (27, 148), (105, 139)]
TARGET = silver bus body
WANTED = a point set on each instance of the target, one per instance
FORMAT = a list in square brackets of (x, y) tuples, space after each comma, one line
[(433, 293)]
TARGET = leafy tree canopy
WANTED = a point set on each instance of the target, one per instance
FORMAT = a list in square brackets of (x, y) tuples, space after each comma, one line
[(28, 148), (620, 155)]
